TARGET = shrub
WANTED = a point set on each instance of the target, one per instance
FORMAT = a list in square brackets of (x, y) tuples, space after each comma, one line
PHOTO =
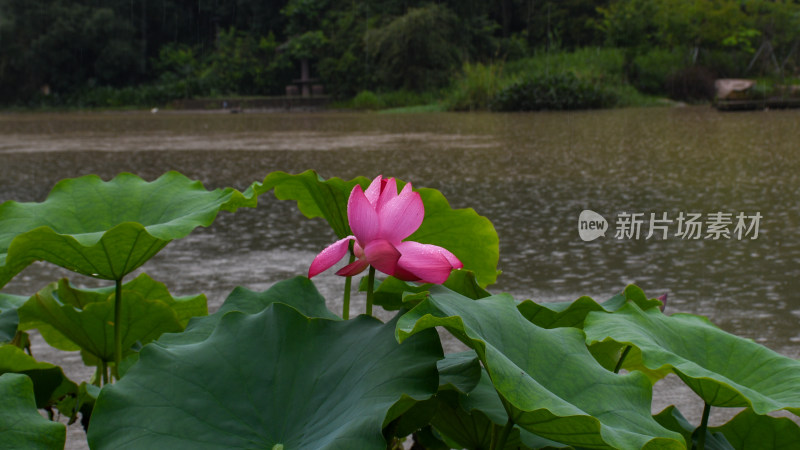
[(475, 88), (650, 70), (367, 100), (589, 63), (691, 84), (404, 98), (562, 91)]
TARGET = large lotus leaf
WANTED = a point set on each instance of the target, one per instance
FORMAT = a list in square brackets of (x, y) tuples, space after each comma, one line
[(551, 383), (299, 293), (9, 318), (460, 371), (50, 383), (21, 425), (723, 369), (83, 319), (751, 431), (746, 431), (572, 314), (275, 379), (315, 196), (672, 419), (469, 429), (392, 293), (468, 235), (609, 353), (84, 403), (106, 229), (473, 420)]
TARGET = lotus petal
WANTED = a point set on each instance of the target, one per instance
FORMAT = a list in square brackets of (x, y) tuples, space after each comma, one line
[(329, 256), (401, 216), (427, 262)]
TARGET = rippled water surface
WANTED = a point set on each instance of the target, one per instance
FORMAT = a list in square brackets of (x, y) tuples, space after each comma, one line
[(531, 174)]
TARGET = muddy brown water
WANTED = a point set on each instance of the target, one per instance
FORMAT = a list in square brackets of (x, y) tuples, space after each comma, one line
[(531, 174)]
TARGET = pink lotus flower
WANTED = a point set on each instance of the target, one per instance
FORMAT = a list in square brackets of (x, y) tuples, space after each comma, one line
[(380, 219)]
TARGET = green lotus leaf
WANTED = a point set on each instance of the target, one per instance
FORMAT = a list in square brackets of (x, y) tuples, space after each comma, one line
[(473, 420), (299, 293), (412, 419), (106, 229), (457, 371), (672, 419), (751, 431), (83, 319), (609, 353), (87, 396), (746, 431), (469, 429), (462, 408), (392, 293), (468, 235), (723, 369), (550, 382), (50, 383), (430, 440), (460, 371), (274, 379), (315, 196), (572, 314), (21, 425), (9, 318)]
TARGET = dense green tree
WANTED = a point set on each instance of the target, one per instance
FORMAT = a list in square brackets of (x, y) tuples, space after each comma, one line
[(61, 45), (417, 50), (202, 47)]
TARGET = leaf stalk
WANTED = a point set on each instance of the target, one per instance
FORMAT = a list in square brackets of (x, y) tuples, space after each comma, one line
[(117, 327), (347, 284), (622, 359), (370, 283), (701, 438)]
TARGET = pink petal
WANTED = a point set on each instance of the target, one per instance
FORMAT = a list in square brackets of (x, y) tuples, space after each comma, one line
[(388, 192), (405, 275), (374, 190), (430, 263), (362, 217), (401, 216), (454, 261), (382, 255), (354, 268), (329, 256)]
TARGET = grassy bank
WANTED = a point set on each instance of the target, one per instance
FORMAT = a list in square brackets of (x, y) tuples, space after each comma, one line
[(583, 79)]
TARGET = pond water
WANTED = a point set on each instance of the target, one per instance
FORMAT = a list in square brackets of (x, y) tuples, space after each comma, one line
[(530, 174)]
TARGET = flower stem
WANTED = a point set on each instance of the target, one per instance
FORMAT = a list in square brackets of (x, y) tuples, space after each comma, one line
[(347, 283), (701, 437), (501, 443), (117, 327), (104, 368), (622, 359), (370, 282), (97, 376)]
